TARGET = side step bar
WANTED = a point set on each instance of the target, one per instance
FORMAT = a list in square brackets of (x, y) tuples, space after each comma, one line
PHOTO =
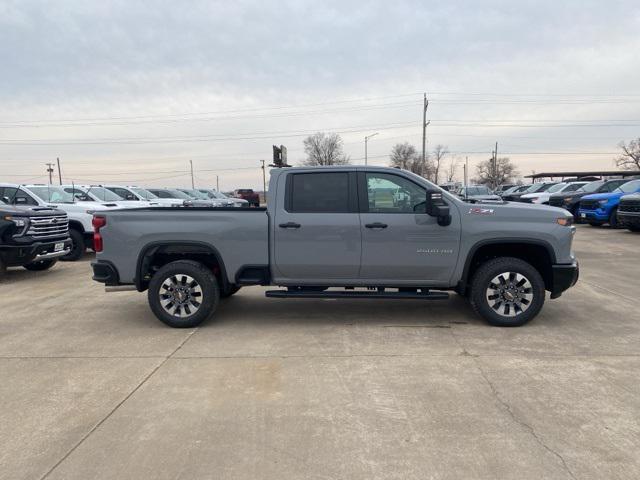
[(357, 294)]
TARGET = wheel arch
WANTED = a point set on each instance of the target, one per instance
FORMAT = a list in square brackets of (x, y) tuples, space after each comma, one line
[(538, 253), (156, 254)]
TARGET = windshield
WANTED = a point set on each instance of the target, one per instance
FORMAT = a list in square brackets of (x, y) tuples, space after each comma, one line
[(196, 194), (557, 187), (146, 194), (477, 191), (103, 195), (178, 194), (52, 194), (512, 189), (629, 187), (591, 187), (538, 187), (218, 194)]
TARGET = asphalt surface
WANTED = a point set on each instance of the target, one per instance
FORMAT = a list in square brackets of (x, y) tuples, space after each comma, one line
[(94, 387)]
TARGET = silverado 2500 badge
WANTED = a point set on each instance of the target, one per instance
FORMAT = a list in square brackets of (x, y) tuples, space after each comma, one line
[(481, 211)]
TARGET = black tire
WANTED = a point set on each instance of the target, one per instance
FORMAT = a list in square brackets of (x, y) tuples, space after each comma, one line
[(3, 269), (232, 290), (613, 218), (41, 265), (197, 302), (78, 246), (595, 224), (481, 286), (634, 229)]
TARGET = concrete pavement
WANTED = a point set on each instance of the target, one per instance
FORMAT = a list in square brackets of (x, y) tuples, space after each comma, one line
[(93, 386)]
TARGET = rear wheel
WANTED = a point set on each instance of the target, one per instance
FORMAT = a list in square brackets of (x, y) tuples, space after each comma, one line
[(507, 292), (3, 269), (41, 265), (77, 246), (183, 294)]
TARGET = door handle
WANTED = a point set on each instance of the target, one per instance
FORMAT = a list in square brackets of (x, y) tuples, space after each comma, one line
[(289, 225), (376, 225)]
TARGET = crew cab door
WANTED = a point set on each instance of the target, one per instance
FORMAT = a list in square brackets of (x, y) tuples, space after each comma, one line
[(401, 243), (316, 228)]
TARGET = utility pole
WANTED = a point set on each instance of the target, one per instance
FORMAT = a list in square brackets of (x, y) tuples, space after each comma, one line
[(425, 106), (59, 174), (50, 171), (217, 183), (193, 185), (264, 178), (366, 140), (466, 171)]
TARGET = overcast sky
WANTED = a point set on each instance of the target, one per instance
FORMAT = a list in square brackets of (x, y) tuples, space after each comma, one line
[(130, 91)]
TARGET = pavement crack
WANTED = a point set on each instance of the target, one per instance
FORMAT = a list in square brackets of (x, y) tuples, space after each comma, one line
[(117, 406), (521, 422)]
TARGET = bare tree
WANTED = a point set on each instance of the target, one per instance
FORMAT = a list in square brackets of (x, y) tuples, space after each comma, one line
[(439, 154), (324, 149), (405, 156), (630, 158), (452, 168), (494, 175)]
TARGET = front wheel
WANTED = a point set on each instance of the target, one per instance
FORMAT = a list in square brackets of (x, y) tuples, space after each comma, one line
[(77, 246), (183, 294), (507, 292), (41, 265)]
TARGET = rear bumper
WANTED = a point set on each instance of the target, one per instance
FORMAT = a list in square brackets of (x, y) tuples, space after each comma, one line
[(18, 255), (564, 277), (105, 272)]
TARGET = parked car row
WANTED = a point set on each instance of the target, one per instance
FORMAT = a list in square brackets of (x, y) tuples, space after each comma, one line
[(78, 202), (599, 202)]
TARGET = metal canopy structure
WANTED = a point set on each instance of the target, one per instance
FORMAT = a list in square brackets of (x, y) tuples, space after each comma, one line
[(594, 173)]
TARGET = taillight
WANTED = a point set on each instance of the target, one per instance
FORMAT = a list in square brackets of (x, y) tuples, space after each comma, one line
[(98, 222)]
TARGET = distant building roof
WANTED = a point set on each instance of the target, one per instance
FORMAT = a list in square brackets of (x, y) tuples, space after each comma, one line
[(595, 173)]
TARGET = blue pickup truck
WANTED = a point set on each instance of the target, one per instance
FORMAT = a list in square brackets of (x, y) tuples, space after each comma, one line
[(601, 208)]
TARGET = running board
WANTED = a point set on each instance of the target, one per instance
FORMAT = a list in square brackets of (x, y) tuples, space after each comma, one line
[(357, 294)]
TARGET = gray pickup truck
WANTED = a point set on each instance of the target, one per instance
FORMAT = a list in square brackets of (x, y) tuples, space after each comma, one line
[(341, 232)]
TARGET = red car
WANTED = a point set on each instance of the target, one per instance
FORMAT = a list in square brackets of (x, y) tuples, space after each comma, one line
[(249, 195)]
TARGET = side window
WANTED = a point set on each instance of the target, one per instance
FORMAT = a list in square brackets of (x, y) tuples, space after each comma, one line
[(572, 187), (121, 192), (17, 196), (319, 193), (394, 194)]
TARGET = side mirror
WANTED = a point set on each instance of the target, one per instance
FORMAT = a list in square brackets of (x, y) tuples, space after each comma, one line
[(6, 200), (435, 206)]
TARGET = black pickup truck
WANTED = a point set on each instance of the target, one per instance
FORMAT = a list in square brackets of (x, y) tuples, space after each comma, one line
[(32, 237)]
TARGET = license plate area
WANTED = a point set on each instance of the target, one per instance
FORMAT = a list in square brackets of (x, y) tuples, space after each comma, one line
[(58, 247)]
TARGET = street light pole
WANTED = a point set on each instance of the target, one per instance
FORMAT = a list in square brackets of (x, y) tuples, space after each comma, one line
[(366, 141), (193, 185)]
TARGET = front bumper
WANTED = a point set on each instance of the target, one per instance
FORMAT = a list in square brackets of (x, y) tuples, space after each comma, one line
[(593, 215), (19, 255), (628, 218), (564, 277)]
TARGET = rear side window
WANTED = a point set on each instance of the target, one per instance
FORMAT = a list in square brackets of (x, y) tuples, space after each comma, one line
[(319, 193)]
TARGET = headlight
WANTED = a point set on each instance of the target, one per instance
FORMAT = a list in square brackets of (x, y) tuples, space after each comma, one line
[(21, 223), (603, 202), (565, 221)]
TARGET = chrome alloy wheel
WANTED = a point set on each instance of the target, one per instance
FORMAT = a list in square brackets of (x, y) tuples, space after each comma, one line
[(509, 294), (180, 295)]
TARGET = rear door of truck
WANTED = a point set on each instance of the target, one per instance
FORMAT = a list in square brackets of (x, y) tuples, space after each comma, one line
[(317, 227)]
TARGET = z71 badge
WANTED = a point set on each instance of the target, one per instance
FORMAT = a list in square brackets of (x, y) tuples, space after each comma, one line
[(481, 211)]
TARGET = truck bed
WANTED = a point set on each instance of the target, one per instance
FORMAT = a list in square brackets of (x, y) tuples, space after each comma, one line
[(240, 236)]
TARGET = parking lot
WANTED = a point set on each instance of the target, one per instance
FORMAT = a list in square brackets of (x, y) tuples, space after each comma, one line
[(93, 386)]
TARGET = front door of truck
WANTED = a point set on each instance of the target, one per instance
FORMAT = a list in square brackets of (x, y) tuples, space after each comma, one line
[(317, 230), (399, 241)]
